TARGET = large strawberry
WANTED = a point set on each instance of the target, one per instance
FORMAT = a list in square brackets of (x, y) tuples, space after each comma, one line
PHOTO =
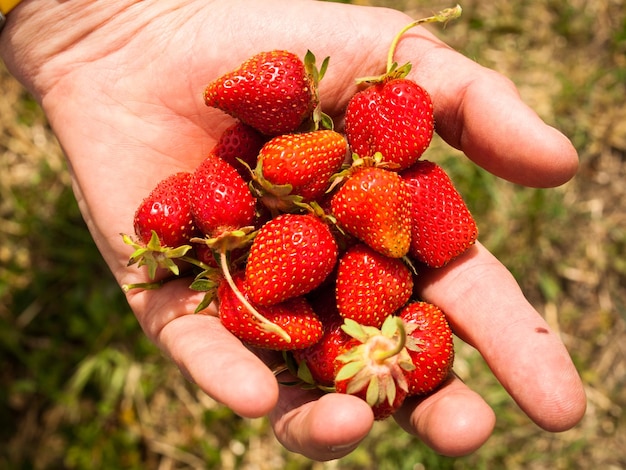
[(220, 199), (443, 226), (371, 286), (295, 316), (430, 345), (298, 167), (373, 204), (164, 225), (273, 91), (393, 117), (394, 114), (291, 255), (375, 364)]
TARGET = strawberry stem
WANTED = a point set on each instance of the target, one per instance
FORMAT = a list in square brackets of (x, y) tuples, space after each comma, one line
[(394, 326), (265, 323), (443, 16)]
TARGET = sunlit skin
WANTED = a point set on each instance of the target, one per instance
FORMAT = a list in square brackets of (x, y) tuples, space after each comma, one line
[(121, 84)]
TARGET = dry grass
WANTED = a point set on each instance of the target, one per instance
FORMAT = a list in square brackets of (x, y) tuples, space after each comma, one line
[(566, 247)]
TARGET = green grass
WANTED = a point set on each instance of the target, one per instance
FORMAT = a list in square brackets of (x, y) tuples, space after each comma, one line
[(81, 387)]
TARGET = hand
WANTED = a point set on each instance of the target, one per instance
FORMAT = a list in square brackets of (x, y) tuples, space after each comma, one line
[(121, 83)]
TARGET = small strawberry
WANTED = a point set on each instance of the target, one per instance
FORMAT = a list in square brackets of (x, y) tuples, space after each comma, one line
[(393, 117), (291, 255), (240, 142), (164, 226), (275, 92), (167, 211), (371, 286), (295, 316), (220, 199), (430, 345), (317, 364), (373, 205), (375, 365), (443, 226), (298, 167)]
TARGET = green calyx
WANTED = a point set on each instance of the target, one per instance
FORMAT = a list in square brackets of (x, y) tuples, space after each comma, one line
[(320, 120), (378, 363), (154, 255)]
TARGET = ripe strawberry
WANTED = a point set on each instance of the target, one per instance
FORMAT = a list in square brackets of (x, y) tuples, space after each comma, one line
[(430, 345), (393, 117), (167, 211), (220, 199), (291, 255), (373, 205), (274, 92), (298, 165), (240, 142), (371, 286), (375, 365), (443, 226), (317, 364), (164, 227), (295, 316)]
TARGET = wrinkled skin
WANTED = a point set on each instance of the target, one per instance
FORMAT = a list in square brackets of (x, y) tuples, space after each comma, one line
[(121, 83)]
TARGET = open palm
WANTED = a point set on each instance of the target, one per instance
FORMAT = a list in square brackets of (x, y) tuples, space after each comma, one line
[(123, 92)]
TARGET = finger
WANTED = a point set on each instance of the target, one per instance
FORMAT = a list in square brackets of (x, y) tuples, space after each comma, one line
[(205, 352), (454, 421), (320, 426), (487, 309), (480, 112)]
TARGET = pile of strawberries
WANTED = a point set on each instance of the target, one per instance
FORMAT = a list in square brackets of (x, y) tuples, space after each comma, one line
[(309, 239)]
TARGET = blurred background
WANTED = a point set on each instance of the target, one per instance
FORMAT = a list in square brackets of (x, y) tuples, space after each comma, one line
[(81, 388)]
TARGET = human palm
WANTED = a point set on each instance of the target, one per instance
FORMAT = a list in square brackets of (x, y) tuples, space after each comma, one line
[(125, 99)]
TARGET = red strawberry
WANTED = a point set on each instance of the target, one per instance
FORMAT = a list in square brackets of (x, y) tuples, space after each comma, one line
[(164, 226), (167, 211), (443, 226), (240, 142), (430, 345), (298, 165), (371, 286), (274, 92), (373, 205), (393, 117), (291, 255), (220, 199), (317, 364), (295, 316), (375, 365)]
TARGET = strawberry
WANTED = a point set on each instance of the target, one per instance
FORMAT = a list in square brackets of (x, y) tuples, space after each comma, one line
[(443, 226), (164, 226), (167, 211), (430, 345), (240, 142), (317, 364), (220, 199), (291, 255), (373, 205), (375, 365), (273, 91), (393, 117), (298, 165), (370, 286), (295, 316)]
